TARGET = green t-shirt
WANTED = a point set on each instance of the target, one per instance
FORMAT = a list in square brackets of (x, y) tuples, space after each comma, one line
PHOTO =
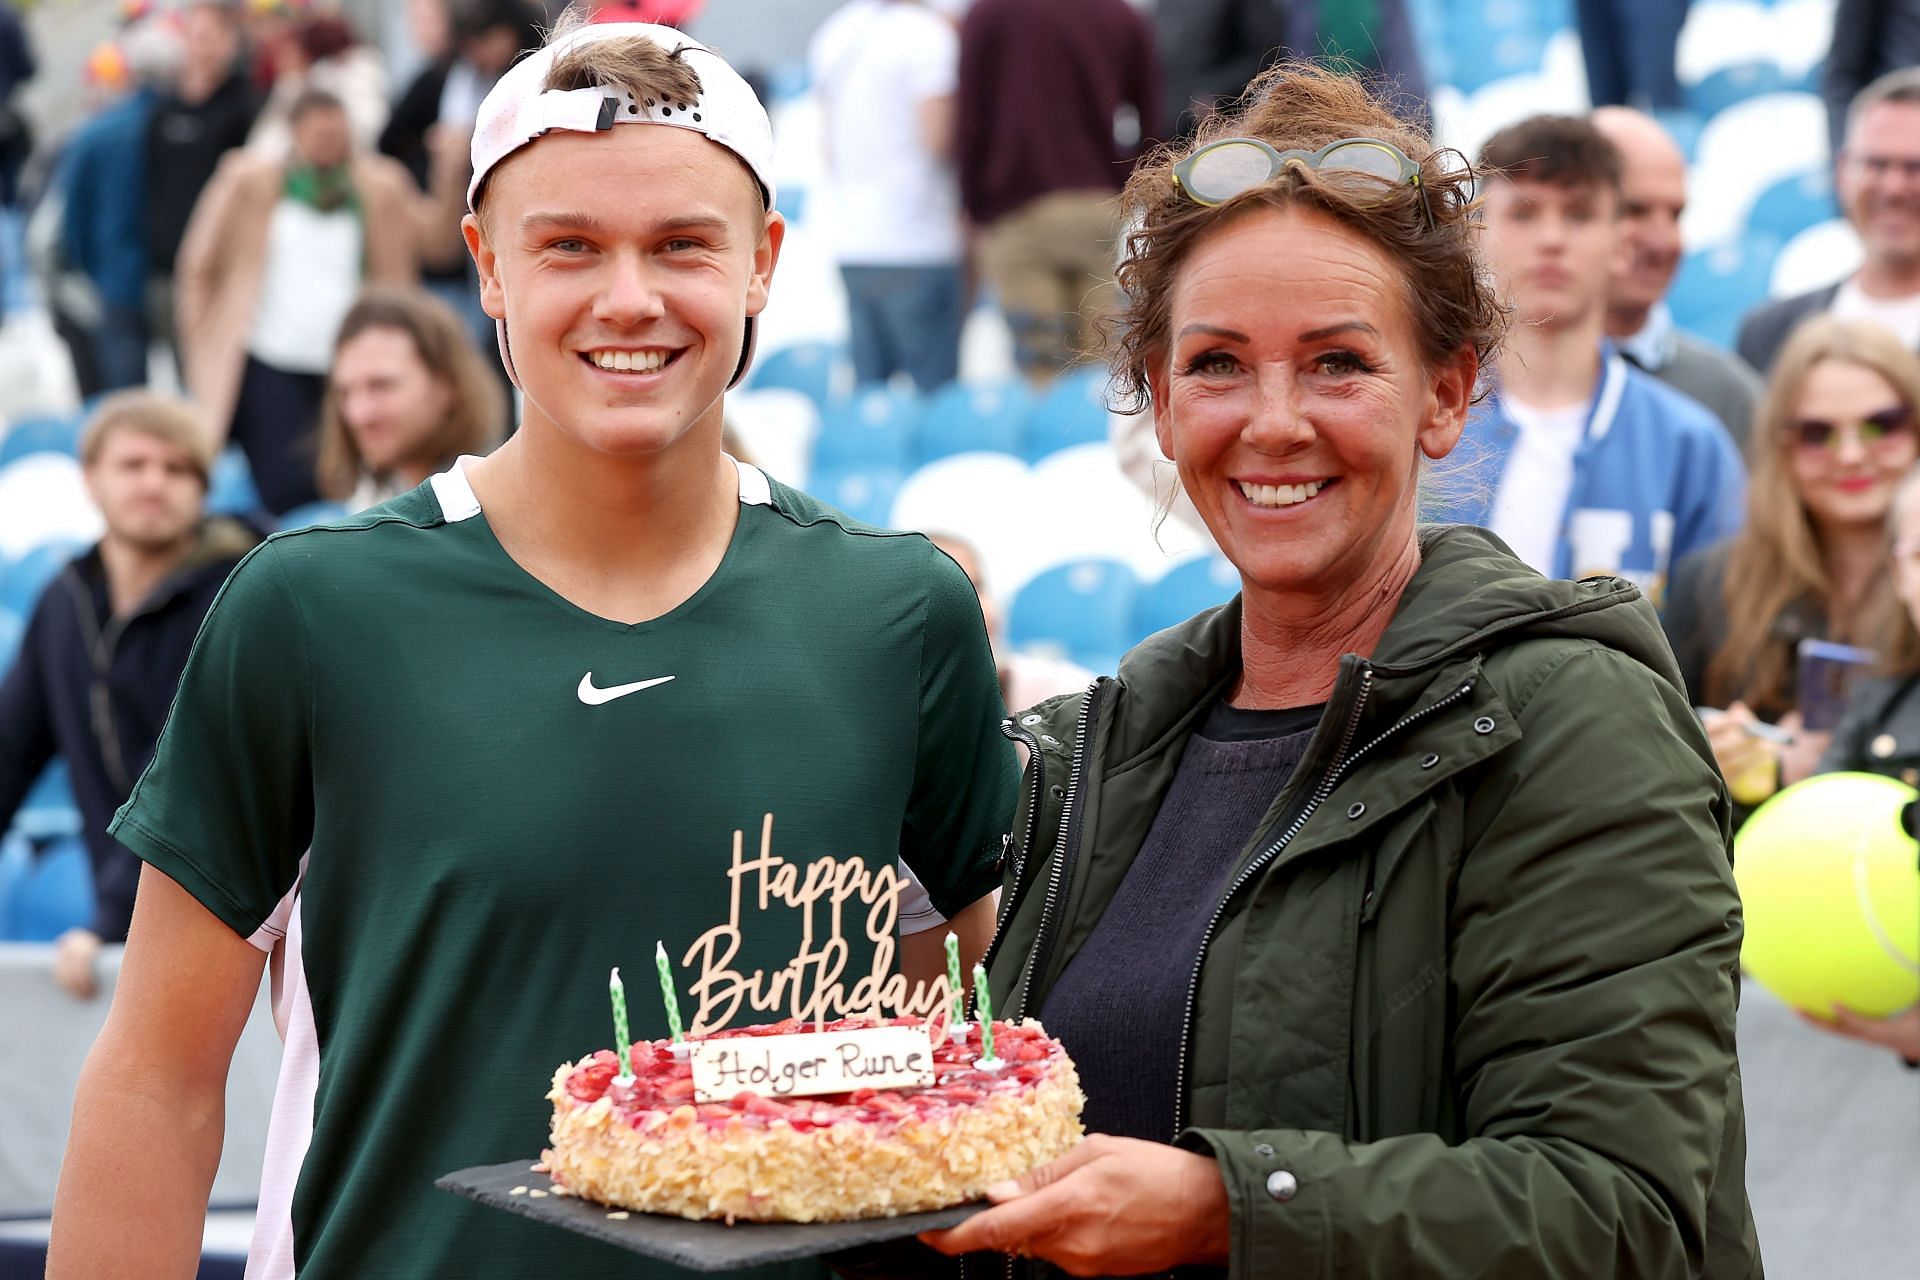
[(394, 756)]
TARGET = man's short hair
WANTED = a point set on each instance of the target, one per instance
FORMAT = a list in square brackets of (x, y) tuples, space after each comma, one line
[(1567, 151), (1896, 86), (151, 413), (313, 99)]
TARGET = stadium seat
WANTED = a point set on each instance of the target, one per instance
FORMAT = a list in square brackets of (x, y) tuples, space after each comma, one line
[(43, 498), (1081, 611), (1791, 205), (48, 812), (1716, 286), (863, 490), (988, 499), (1816, 258), (817, 369), (313, 513), (1184, 590), (877, 425), (1743, 151), (1734, 84), (46, 895), (13, 627), (1072, 411), (22, 581), (1089, 508), (231, 490), (967, 417), (39, 435)]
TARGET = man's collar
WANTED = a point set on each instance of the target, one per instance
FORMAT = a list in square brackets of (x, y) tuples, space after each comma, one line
[(1652, 346)]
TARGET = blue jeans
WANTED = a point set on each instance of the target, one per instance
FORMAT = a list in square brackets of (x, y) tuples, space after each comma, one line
[(120, 348), (904, 320), (1629, 46)]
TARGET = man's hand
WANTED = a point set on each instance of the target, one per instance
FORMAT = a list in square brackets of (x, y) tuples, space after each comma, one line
[(75, 955), (1109, 1207)]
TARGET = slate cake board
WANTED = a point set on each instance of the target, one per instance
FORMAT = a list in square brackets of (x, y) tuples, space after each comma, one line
[(698, 1246)]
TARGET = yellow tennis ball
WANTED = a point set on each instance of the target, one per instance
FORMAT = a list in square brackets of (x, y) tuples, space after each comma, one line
[(1831, 894)]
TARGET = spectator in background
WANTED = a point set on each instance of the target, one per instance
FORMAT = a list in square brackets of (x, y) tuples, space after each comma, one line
[(1594, 466), (1052, 100), (417, 109), (1870, 38), (276, 252), (408, 395), (17, 66), (103, 177), (1877, 178), (1629, 50), (885, 71), (1833, 439), (109, 637), (209, 113), (1653, 194), (323, 53), (1025, 679), (1210, 50)]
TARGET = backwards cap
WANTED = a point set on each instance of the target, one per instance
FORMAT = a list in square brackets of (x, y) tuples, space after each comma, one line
[(520, 108)]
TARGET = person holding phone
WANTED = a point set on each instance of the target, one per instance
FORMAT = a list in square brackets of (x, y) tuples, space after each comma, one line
[(1833, 437)]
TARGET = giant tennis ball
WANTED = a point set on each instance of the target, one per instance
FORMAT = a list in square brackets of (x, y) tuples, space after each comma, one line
[(1832, 895)]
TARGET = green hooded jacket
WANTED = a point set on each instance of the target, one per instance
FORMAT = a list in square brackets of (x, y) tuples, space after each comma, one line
[(1467, 1008)]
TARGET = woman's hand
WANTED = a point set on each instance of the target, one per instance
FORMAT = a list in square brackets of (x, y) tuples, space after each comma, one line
[(1109, 1207), (1899, 1032), (1749, 764), (1799, 758)]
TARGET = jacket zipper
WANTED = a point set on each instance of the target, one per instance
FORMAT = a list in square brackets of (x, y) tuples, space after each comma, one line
[(1342, 762), (1037, 769), (1057, 876)]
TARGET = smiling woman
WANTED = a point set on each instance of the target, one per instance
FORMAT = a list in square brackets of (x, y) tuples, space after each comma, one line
[(1352, 987)]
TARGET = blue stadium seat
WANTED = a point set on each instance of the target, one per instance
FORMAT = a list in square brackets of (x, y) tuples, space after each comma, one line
[(48, 812), (1082, 611), (876, 426), (313, 513), (862, 490), (1184, 590), (970, 417), (1729, 85), (1683, 127), (1716, 286), (12, 628), (1072, 411), (812, 368), (231, 491), (39, 435), (22, 581), (47, 895), (1791, 205)]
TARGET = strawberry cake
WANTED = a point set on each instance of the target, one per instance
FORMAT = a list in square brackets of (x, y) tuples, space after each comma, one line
[(648, 1146)]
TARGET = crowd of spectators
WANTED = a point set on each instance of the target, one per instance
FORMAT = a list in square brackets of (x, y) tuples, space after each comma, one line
[(250, 212)]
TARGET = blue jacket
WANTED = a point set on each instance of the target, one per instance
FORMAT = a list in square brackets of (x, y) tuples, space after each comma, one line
[(1654, 478), (105, 167), (96, 690)]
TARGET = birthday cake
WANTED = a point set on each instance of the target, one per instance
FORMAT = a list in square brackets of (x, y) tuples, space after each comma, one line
[(648, 1145)]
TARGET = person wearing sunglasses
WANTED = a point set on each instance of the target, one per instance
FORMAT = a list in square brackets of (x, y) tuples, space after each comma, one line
[(1832, 439), (1386, 910), (1587, 465)]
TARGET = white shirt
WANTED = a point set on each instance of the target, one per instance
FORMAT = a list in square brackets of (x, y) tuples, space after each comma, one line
[(873, 63), (1899, 315), (311, 277), (1530, 505)]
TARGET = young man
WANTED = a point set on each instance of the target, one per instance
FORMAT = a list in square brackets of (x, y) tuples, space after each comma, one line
[(1591, 466), (1653, 195), (453, 759), (108, 638), (1877, 178)]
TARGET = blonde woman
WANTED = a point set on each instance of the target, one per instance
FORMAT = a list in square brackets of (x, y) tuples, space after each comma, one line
[(1834, 436)]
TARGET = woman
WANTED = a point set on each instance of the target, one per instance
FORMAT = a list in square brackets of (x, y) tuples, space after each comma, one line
[(1386, 909), (407, 395), (1833, 437)]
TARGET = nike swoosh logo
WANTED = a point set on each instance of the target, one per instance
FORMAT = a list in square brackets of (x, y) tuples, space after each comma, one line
[(594, 697)]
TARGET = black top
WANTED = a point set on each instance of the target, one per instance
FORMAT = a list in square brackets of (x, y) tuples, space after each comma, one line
[(185, 141), (1119, 1004)]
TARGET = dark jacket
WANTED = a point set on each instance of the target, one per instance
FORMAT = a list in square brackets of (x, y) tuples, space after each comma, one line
[(1040, 86), (96, 690), (1870, 38), (105, 168), (1766, 328), (1697, 626), (1880, 732), (1474, 986), (185, 141)]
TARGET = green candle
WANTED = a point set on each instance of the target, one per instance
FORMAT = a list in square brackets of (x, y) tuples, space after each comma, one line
[(955, 985), (666, 991), (620, 1041), (983, 1004)]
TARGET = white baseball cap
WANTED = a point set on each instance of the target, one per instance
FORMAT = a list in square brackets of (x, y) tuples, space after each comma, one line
[(520, 108)]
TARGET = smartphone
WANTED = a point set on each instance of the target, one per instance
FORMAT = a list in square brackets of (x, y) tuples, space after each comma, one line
[(1826, 676)]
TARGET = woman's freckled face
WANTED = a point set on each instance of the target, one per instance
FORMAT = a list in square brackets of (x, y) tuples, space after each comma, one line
[(1294, 399)]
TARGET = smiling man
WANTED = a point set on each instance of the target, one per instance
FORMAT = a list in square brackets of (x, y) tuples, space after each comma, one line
[(451, 760), (1582, 463)]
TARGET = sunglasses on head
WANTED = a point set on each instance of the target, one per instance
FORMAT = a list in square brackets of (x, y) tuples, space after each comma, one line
[(1894, 422), (1221, 170)]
